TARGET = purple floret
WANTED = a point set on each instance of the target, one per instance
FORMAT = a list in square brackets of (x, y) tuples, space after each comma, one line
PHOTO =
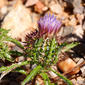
[(48, 24)]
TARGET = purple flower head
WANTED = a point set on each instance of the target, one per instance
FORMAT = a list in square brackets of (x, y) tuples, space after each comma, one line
[(48, 24)]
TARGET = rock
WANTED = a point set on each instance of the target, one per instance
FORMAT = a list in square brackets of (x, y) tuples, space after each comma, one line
[(69, 1), (74, 82), (67, 34), (79, 31), (56, 8), (3, 3), (80, 81), (39, 80), (83, 71), (35, 18), (20, 59), (52, 74), (80, 18), (33, 66), (84, 26), (67, 65), (72, 21), (39, 7), (78, 8), (76, 59), (4, 10), (80, 61), (67, 30), (82, 68), (18, 21), (31, 2), (76, 3)]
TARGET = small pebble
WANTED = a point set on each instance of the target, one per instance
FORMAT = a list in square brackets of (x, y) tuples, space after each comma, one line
[(80, 61), (4, 10), (80, 81), (83, 71), (56, 8)]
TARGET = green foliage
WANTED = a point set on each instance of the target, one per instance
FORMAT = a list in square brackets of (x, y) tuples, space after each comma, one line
[(20, 70), (13, 66), (69, 46), (6, 69), (46, 79), (15, 42), (46, 51), (4, 50), (31, 75), (43, 53), (5, 53)]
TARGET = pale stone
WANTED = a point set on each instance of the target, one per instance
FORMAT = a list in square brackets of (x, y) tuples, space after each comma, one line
[(31, 2), (3, 3), (79, 31), (56, 8), (18, 21)]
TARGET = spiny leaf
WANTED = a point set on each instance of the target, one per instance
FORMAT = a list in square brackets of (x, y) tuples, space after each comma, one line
[(20, 71), (5, 70), (46, 79), (13, 66), (69, 46), (16, 42), (31, 75)]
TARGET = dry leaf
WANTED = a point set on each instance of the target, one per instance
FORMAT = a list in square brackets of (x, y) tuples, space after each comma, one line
[(18, 21)]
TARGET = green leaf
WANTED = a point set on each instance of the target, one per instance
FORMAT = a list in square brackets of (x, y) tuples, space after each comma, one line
[(13, 66), (31, 75), (3, 34), (20, 71), (16, 53), (46, 79), (4, 50), (5, 70), (52, 48), (69, 46), (15, 42), (57, 52)]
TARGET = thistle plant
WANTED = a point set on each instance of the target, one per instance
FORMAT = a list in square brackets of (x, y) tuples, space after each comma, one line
[(45, 49), (41, 47)]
